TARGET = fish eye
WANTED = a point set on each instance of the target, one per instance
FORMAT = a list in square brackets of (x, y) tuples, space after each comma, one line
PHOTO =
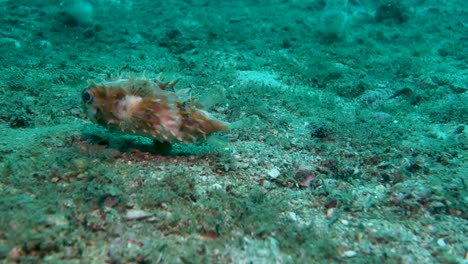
[(86, 97)]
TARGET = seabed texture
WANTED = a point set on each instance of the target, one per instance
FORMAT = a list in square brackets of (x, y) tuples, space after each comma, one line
[(359, 154)]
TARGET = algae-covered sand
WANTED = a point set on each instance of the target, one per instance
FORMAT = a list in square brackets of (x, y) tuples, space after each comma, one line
[(359, 154)]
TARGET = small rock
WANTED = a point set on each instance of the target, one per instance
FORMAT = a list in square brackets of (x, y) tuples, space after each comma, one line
[(273, 173), (349, 253), (136, 214), (380, 188), (293, 216), (441, 242), (216, 186), (57, 220), (15, 253), (330, 213)]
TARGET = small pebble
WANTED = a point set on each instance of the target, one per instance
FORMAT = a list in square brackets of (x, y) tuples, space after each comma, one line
[(380, 188), (441, 242), (15, 253), (273, 173), (349, 253), (330, 213), (136, 214), (293, 216), (216, 186)]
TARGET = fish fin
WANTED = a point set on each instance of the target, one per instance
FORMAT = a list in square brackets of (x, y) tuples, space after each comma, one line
[(139, 87), (91, 83), (244, 122), (184, 95), (215, 95), (217, 142)]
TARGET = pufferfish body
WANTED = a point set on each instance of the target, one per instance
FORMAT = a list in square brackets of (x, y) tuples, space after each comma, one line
[(152, 109)]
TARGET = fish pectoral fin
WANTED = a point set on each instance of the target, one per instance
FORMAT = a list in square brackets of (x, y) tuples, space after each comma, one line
[(215, 95), (218, 142)]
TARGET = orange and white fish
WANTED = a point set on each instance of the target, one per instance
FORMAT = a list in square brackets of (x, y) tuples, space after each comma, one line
[(151, 108)]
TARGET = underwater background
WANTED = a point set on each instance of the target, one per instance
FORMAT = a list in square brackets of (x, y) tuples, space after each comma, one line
[(359, 154)]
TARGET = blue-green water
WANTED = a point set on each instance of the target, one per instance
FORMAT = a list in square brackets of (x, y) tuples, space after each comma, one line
[(359, 153)]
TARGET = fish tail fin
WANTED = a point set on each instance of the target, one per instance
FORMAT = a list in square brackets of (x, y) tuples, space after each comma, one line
[(244, 122), (220, 143)]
